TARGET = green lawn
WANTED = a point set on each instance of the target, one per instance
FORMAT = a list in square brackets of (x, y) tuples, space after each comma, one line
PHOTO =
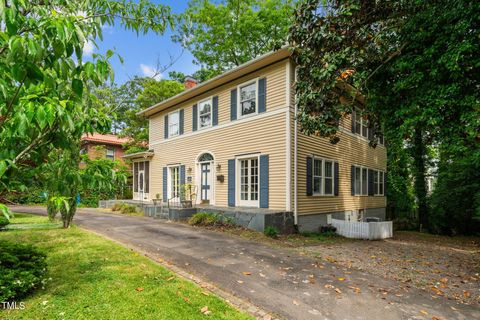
[(94, 278)]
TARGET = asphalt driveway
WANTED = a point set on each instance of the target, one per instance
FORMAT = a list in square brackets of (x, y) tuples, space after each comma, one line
[(279, 281)]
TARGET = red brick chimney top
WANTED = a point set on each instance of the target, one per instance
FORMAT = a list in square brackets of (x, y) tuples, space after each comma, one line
[(190, 83)]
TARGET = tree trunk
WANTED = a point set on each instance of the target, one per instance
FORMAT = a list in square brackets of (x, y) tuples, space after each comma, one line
[(419, 154)]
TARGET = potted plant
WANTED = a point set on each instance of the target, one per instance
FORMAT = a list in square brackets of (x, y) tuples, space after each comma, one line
[(186, 195), (157, 199)]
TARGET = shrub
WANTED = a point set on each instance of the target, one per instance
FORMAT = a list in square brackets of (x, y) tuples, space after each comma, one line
[(22, 269), (210, 219), (117, 207), (3, 222), (127, 208), (328, 229), (271, 232)]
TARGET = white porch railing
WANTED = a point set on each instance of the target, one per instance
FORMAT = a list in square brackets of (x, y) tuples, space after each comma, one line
[(364, 230)]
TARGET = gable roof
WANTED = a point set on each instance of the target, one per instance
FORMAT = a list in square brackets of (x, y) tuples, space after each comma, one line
[(104, 138), (219, 80)]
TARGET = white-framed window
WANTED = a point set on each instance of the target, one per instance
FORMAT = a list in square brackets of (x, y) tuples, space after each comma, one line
[(248, 182), (378, 182), (174, 182), (361, 181), (248, 97), (323, 182), (361, 124), (110, 153), (205, 113), (174, 124)]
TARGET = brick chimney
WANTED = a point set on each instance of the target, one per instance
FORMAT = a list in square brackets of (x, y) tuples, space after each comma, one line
[(190, 82)]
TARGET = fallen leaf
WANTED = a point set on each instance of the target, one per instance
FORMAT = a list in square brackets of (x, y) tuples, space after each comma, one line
[(424, 312), (205, 310), (247, 273), (170, 279), (240, 281), (338, 290), (329, 286), (205, 293), (466, 294), (139, 289), (341, 279), (295, 302)]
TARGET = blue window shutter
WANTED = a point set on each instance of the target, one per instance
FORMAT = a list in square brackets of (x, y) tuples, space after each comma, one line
[(215, 111), (231, 183), (336, 179), (385, 183), (165, 184), (371, 185), (194, 117), (182, 174), (233, 104), (309, 176), (262, 95), (166, 127), (182, 120), (264, 181), (352, 180)]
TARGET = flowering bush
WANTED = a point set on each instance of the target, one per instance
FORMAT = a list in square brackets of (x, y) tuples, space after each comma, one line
[(22, 269)]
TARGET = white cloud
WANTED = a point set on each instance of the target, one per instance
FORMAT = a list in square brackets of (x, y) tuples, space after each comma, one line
[(149, 71), (88, 48)]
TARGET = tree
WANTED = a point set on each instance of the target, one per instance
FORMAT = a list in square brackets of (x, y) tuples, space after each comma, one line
[(46, 101), (65, 181), (200, 75), (130, 98), (413, 61), (224, 35)]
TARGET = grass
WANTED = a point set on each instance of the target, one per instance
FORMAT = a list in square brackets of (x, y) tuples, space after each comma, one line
[(23, 221), (95, 278)]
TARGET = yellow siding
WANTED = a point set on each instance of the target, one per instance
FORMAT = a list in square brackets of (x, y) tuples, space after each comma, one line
[(265, 134), (351, 150), (276, 79)]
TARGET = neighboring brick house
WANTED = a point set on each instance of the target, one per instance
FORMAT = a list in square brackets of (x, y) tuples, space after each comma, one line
[(108, 146)]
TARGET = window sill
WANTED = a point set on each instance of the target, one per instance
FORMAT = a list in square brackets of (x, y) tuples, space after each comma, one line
[(323, 195)]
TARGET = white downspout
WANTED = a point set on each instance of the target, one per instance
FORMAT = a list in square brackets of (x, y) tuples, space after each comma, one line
[(295, 178)]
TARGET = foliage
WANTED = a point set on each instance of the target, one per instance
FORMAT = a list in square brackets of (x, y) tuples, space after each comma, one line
[(46, 85), (271, 232), (208, 219), (412, 62), (65, 181), (4, 222), (328, 229), (125, 101), (57, 204), (125, 208), (456, 197), (22, 269), (200, 75), (5, 211), (225, 34)]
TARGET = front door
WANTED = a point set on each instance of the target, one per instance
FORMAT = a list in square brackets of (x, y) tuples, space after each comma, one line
[(205, 185)]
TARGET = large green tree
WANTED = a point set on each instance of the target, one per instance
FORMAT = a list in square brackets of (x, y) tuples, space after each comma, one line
[(45, 84), (415, 63), (225, 34), (122, 103)]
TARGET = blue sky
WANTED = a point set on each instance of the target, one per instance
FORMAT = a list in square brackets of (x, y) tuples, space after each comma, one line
[(140, 53)]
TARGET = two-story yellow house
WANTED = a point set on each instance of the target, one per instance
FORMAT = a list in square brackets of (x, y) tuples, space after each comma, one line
[(235, 139)]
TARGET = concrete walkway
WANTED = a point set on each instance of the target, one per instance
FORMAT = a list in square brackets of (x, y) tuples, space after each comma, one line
[(279, 281)]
